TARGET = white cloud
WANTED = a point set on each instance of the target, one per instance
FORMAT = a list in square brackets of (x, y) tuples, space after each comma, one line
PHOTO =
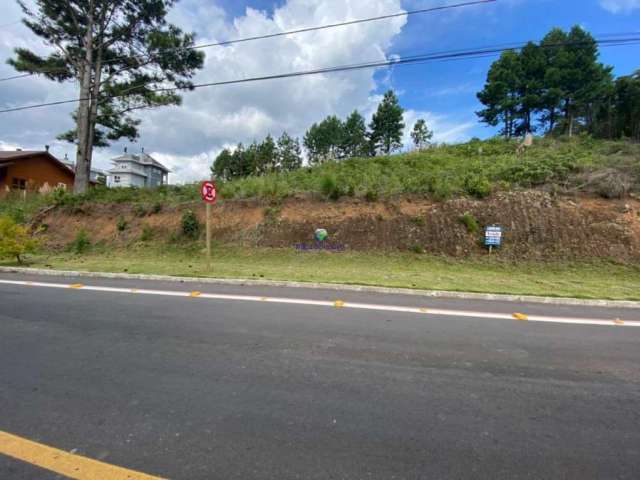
[(620, 6), (187, 138)]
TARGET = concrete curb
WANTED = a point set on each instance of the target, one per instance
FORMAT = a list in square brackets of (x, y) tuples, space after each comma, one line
[(331, 286)]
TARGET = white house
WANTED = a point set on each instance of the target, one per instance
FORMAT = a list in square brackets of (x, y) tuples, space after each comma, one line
[(137, 171)]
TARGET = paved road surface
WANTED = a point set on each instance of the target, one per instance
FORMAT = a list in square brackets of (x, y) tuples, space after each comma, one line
[(197, 388)]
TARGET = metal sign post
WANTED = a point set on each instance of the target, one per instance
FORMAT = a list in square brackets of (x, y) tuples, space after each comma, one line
[(209, 196)]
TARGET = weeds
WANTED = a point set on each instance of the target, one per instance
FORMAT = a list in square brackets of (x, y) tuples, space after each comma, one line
[(470, 222)]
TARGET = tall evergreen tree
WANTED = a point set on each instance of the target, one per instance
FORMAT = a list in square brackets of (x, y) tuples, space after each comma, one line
[(530, 86), (500, 95), (421, 135), (387, 125), (323, 141), (354, 141), (118, 51), (289, 154), (222, 166), (266, 158), (627, 106)]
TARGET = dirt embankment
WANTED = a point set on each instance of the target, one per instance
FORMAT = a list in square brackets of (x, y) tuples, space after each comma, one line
[(536, 225)]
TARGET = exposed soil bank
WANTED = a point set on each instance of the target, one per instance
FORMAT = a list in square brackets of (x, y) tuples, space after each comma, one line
[(537, 225)]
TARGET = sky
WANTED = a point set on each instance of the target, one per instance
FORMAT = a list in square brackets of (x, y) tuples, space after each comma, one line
[(188, 138)]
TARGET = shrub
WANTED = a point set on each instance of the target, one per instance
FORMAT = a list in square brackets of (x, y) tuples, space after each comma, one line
[(418, 221), (156, 208), (419, 249), (147, 234), (121, 224), (372, 196), (60, 196), (469, 221), (139, 210), (477, 186), (272, 213), (15, 240), (441, 189), (81, 243), (190, 225), (329, 187)]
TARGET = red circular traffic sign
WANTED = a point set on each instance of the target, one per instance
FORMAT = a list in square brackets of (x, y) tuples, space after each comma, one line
[(209, 192)]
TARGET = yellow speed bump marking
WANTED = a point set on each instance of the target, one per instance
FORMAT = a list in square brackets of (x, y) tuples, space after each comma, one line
[(76, 286), (65, 463), (338, 304), (617, 321), (520, 316), (195, 294)]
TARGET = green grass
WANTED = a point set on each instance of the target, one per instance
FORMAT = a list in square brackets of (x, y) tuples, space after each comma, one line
[(489, 275), (475, 169)]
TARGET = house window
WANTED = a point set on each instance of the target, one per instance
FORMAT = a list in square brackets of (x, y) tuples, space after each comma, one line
[(116, 179), (19, 184)]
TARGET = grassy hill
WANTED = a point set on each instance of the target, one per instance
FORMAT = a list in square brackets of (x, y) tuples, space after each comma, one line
[(609, 169)]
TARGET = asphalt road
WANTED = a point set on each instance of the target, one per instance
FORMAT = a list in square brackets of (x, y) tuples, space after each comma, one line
[(196, 388)]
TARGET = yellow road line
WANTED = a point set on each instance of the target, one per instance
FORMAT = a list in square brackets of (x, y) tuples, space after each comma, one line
[(77, 286), (342, 305), (64, 463)]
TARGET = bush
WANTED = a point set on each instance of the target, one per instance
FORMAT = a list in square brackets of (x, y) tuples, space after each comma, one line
[(156, 208), (469, 221), (329, 187), (121, 224), (81, 243), (477, 186), (15, 240), (147, 234), (139, 210), (190, 225), (60, 196), (419, 249)]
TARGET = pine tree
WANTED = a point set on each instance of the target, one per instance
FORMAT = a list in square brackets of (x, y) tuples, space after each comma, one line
[(500, 95), (266, 158), (387, 125), (421, 135), (119, 52), (355, 142), (323, 141), (222, 166), (289, 155)]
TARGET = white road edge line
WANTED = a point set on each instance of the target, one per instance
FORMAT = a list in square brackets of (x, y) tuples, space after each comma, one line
[(332, 304)]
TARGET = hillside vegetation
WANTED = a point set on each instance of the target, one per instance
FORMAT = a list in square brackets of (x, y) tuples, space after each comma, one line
[(610, 169)]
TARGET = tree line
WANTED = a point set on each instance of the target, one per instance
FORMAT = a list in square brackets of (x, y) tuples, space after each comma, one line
[(559, 86), (331, 139)]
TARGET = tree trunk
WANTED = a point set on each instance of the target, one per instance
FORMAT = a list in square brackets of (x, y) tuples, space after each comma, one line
[(83, 161), (93, 113), (570, 125)]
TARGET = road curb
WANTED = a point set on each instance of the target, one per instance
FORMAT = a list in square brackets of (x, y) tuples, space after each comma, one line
[(331, 286)]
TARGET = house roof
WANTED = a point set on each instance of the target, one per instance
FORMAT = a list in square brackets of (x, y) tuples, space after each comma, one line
[(143, 159), (13, 156)]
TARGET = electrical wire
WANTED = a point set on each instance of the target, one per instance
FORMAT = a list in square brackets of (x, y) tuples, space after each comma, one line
[(279, 34), (415, 59)]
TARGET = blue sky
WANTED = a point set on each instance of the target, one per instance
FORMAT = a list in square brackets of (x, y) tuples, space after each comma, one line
[(449, 88), (189, 137)]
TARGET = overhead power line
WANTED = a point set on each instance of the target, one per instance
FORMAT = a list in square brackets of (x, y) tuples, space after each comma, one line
[(415, 59), (278, 34)]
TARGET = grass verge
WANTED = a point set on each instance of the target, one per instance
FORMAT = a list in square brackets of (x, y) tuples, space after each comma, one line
[(408, 270)]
